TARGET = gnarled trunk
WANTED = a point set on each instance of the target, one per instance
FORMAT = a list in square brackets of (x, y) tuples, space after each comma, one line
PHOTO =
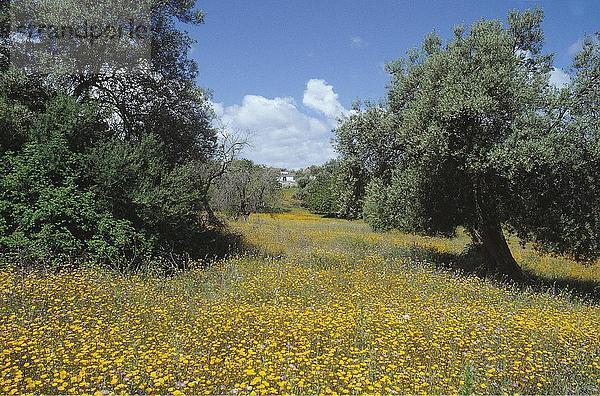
[(487, 233), (498, 256)]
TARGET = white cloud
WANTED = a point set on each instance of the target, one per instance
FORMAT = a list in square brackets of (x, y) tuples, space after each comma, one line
[(357, 42), (578, 45), (576, 8), (321, 97), (282, 134), (559, 78), (218, 109), (575, 47)]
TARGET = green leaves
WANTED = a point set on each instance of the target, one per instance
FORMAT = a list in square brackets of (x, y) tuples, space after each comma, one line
[(480, 139), (322, 192), (106, 164)]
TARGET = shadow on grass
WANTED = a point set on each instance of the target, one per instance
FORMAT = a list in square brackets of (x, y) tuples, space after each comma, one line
[(471, 262), (220, 244), (329, 215), (215, 243)]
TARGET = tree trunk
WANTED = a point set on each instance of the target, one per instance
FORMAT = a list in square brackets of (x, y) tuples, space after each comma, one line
[(489, 236), (498, 257), (212, 218)]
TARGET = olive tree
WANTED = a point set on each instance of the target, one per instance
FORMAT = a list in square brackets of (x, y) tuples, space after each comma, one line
[(368, 147), (320, 193), (246, 188), (485, 142)]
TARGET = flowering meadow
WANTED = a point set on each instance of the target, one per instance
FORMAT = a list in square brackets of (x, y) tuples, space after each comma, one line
[(326, 307)]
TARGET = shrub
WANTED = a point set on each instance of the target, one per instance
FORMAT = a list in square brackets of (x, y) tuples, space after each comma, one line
[(72, 194), (47, 214)]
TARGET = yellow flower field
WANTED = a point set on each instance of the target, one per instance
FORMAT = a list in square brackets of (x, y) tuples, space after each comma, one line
[(329, 308)]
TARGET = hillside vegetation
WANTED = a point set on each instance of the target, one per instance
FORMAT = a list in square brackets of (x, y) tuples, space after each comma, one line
[(327, 307)]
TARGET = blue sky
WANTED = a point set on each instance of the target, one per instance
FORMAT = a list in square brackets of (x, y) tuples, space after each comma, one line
[(284, 70)]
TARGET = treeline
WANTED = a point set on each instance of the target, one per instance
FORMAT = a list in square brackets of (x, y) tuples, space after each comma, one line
[(472, 134), (246, 188), (116, 166)]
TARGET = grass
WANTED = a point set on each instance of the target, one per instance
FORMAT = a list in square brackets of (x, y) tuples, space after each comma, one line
[(328, 307), (301, 225)]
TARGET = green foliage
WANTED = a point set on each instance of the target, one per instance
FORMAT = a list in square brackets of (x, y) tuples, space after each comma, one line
[(555, 193), (368, 137), (378, 208), (304, 176), (136, 183), (67, 195), (321, 191), (412, 203), (367, 143), (474, 135), (468, 379), (109, 166), (47, 215)]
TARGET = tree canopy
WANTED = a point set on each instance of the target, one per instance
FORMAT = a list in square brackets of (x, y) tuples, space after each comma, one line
[(474, 135), (108, 164)]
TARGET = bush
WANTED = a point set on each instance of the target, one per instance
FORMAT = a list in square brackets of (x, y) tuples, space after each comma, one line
[(320, 193), (47, 216), (71, 193), (107, 166)]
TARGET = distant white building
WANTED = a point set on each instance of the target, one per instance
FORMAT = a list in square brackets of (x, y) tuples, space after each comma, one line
[(287, 178)]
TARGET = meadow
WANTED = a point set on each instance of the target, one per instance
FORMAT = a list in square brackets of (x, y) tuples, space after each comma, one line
[(323, 306)]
